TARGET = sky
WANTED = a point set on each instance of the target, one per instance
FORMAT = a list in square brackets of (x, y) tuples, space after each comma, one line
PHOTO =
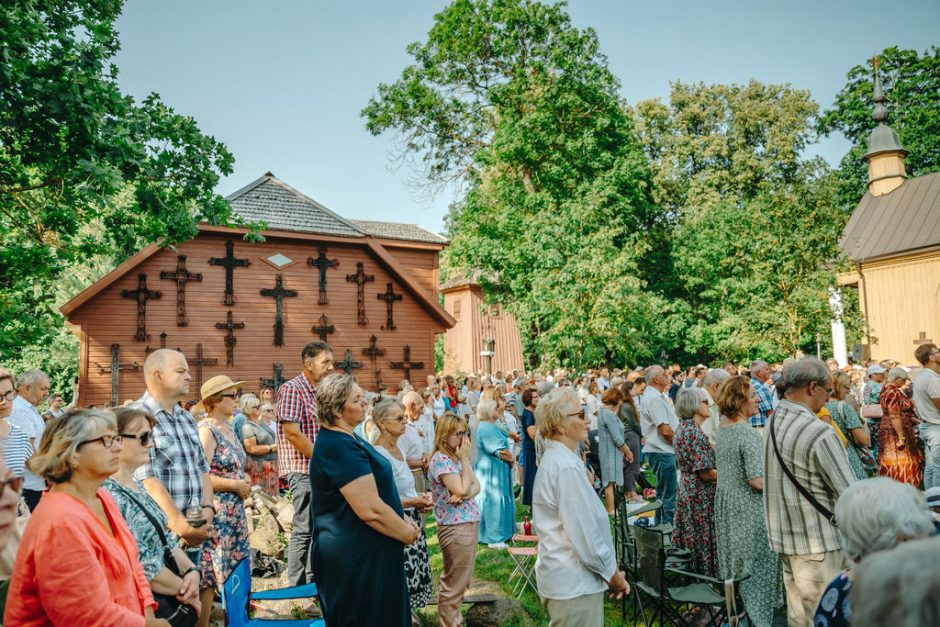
[(282, 82)]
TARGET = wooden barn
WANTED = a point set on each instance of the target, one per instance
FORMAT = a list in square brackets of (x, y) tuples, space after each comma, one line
[(246, 309)]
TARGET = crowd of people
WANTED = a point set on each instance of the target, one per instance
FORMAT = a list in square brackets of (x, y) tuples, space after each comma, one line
[(790, 478)]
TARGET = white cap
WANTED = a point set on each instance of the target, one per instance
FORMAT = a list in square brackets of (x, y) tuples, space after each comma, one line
[(876, 369)]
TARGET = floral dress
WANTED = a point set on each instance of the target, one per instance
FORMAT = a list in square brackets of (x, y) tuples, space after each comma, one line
[(847, 419), (901, 464), (228, 543), (262, 469), (695, 508)]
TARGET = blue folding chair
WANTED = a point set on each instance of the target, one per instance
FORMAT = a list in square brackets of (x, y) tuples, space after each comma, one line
[(236, 595)]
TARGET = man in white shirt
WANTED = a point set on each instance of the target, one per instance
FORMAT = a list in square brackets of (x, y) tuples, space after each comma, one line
[(412, 441), (659, 422), (927, 404), (32, 390)]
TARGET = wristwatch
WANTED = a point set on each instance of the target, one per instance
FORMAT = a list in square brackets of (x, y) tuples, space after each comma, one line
[(210, 506), (191, 569)]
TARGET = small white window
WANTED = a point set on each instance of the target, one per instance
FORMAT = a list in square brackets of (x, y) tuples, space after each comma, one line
[(279, 260)]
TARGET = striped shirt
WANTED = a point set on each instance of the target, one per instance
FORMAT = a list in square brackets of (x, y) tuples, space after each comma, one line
[(16, 450), (25, 416), (765, 403), (296, 402), (813, 453)]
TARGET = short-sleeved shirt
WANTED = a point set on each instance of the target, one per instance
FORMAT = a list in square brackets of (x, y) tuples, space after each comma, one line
[(16, 450), (765, 403), (177, 458), (656, 410), (411, 442), (262, 434), (447, 513), (149, 542), (25, 416), (404, 479), (927, 388), (296, 402)]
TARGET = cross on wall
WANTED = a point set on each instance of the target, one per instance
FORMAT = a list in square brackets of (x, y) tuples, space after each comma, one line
[(278, 293), (182, 276), (229, 262), (322, 263), (923, 339), (115, 369), (141, 295), (201, 361)]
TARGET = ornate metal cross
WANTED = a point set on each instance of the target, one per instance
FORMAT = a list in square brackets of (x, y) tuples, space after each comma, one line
[(372, 352), (278, 294), (230, 337), (360, 279), (115, 369), (323, 328), (182, 276), (201, 361), (163, 337), (923, 339), (323, 264), (275, 381), (348, 364), (407, 364), (389, 296), (141, 295), (229, 262)]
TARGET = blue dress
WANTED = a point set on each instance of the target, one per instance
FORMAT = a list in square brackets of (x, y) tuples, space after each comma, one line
[(528, 457), (495, 500)]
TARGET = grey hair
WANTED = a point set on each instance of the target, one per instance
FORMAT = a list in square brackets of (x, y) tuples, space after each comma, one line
[(651, 373), (688, 400), (550, 415), (800, 373), (384, 407), (332, 393), (884, 594), (715, 375), (411, 398), (756, 365), (247, 402), (31, 377), (875, 514), (63, 436), (266, 406), (545, 387), (486, 410)]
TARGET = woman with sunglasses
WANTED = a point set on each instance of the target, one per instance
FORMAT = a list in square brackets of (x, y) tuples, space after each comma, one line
[(173, 584), (15, 448), (78, 563)]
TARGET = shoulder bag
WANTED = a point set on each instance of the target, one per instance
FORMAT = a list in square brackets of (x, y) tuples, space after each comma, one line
[(869, 463), (870, 411), (819, 507)]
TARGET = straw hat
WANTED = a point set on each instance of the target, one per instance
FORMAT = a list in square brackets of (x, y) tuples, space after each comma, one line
[(216, 384)]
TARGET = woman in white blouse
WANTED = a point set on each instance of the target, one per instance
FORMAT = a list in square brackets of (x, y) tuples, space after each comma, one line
[(576, 561), (389, 418)]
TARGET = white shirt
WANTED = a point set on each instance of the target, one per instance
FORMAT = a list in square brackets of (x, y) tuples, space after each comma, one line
[(926, 388), (404, 480), (25, 416), (513, 428), (576, 553), (426, 426), (439, 407), (654, 411), (411, 443), (592, 411)]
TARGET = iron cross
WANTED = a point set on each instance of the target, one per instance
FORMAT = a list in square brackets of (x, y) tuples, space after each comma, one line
[(323, 328), (141, 295), (201, 361), (360, 279), (278, 294), (372, 352), (275, 381), (407, 364), (922, 339), (230, 263), (389, 296), (115, 369), (348, 364), (230, 337), (182, 276), (323, 264), (163, 337)]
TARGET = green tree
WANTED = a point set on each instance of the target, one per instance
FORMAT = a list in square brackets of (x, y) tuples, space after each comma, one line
[(512, 101), (85, 170), (911, 82)]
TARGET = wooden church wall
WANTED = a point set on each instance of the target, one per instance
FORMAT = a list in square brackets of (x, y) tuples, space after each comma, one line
[(109, 318)]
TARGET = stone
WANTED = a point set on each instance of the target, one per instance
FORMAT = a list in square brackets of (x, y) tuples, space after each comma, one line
[(266, 538), (285, 517), (501, 612)]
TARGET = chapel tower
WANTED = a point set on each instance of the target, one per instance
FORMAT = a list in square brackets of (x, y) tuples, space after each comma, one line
[(885, 154)]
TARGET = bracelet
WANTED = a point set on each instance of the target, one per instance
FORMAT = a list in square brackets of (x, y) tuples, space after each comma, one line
[(210, 506), (191, 569)]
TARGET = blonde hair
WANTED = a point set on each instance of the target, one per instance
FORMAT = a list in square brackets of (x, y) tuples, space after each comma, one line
[(332, 393), (248, 402), (447, 425), (487, 410), (550, 415), (63, 436)]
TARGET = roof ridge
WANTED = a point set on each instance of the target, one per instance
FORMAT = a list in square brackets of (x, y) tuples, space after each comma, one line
[(316, 204)]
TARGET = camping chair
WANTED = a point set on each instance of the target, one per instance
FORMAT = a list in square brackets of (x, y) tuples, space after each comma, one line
[(236, 597), (670, 602), (524, 556)]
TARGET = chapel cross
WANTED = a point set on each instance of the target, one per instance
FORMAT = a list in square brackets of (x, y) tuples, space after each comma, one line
[(389, 296), (348, 364), (323, 264), (922, 340), (163, 337), (278, 294), (201, 361), (141, 295), (323, 328), (115, 369), (407, 364), (372, 352), (182, 276), (230, 337), (275, 381), (230, 262), (360, 279)]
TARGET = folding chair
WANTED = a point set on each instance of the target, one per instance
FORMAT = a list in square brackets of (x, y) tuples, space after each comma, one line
[(236, 597), (670, 602), (524, 557)]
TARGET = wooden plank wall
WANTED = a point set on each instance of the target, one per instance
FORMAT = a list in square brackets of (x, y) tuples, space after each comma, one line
[(109, 318), (463, 343)]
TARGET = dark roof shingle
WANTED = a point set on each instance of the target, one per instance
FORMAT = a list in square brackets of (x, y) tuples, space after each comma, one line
[(395, 230)]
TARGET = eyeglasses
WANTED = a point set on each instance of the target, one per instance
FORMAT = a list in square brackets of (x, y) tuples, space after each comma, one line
[(143, 437), (15, 483), (9, 396), (228, 395), (106, 440)]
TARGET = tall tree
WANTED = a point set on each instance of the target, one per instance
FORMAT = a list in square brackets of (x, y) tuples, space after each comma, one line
[(510, 99)]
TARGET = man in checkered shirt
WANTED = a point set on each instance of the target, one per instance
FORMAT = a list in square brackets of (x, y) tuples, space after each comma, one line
[(766, 400), (297, 430)]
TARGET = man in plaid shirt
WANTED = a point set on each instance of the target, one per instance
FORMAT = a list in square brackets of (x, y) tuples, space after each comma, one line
[(296, 432), (766, 401)]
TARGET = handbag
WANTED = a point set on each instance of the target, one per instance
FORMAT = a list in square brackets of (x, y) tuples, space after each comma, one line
[(819, 507), (869, 463), (168, 607), (870, 411)]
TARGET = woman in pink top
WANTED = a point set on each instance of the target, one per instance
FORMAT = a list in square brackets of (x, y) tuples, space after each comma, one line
[(77, 563)]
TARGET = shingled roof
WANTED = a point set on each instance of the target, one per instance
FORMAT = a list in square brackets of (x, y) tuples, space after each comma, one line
[(395, 230), (903, 220)]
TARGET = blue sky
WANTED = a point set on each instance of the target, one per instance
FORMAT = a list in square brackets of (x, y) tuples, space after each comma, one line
[(281, 82)]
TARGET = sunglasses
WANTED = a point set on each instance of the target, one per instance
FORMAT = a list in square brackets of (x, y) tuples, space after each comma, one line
[(106, 440), (15, 484), (143, 437), (228, 396)]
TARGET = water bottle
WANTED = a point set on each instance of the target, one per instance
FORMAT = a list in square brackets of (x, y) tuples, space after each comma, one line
[(194, 513)]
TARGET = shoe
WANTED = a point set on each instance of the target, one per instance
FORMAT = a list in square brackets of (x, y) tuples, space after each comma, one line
[(498, 545)]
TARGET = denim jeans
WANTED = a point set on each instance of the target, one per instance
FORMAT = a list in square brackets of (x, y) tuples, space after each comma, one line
[(930, 434), (299, 553), (667, 484)]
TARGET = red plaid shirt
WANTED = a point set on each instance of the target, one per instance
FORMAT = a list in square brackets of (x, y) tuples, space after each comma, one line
[(296, 402)]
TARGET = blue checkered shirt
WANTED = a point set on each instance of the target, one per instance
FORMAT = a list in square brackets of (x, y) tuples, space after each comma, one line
[(765, 404), (177, 458)]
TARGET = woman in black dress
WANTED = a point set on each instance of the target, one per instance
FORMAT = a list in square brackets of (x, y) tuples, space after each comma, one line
[(530, 398), (359, 532)]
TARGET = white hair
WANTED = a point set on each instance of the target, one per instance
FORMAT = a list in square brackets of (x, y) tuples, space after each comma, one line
[(688, 401), (801, 372), (31, 377), (875, 514), (715, 375), (486, 410), (898, 588), (651, 373)]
